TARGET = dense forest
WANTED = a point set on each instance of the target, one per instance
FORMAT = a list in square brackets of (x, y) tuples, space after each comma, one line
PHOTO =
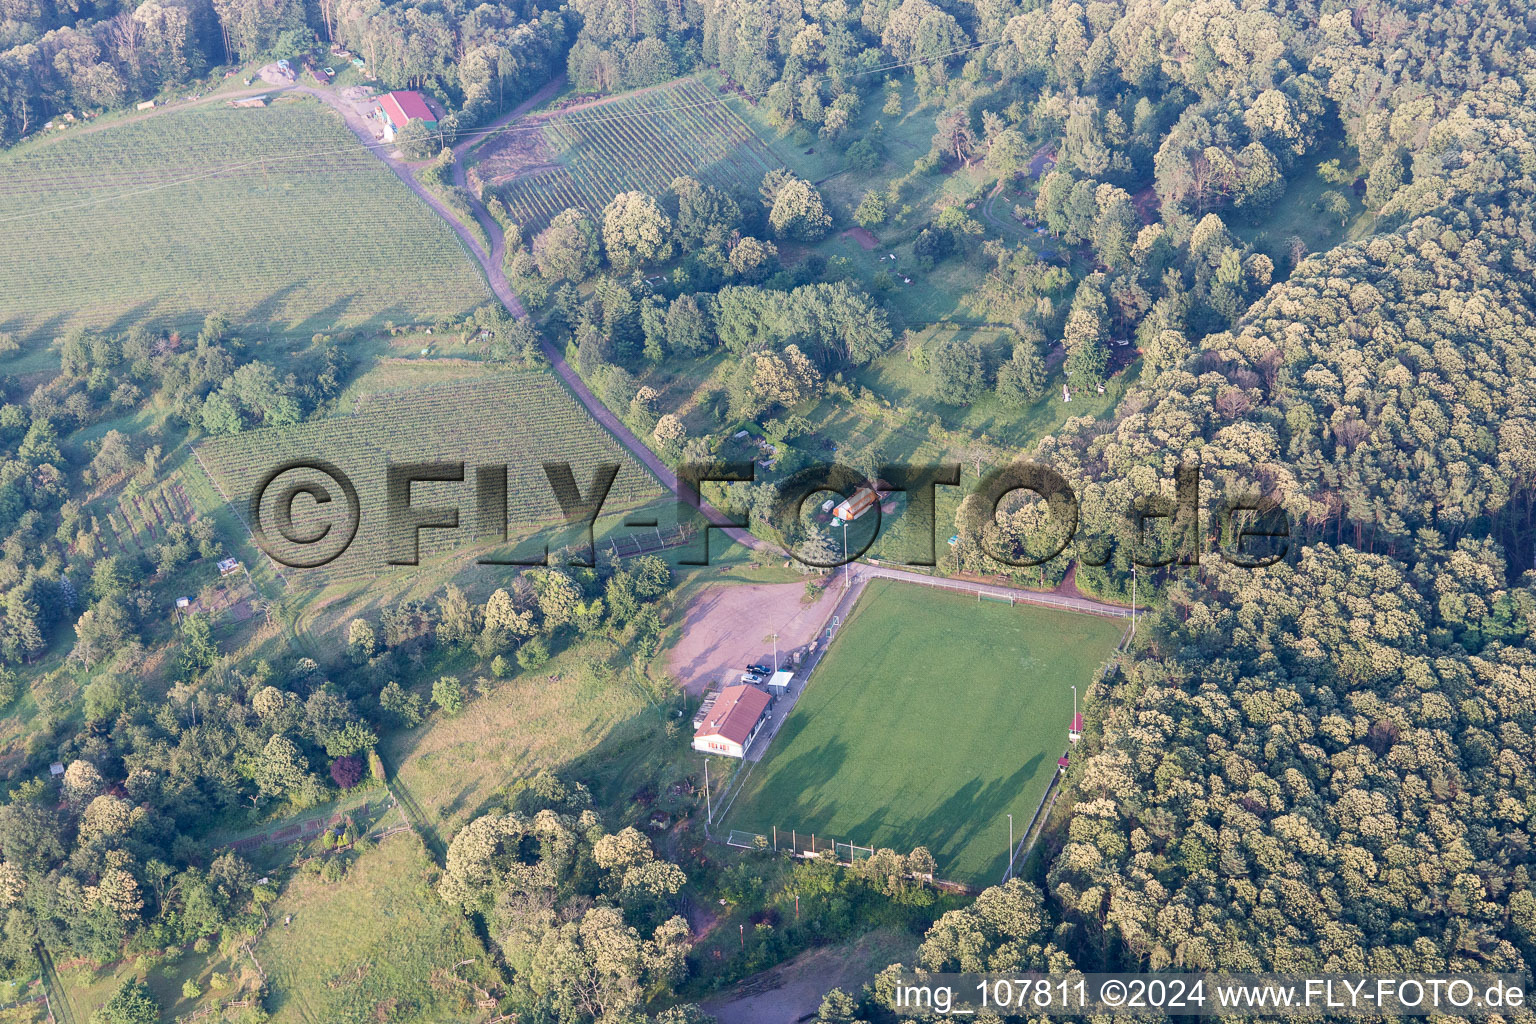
[(88, 58), (1325, 765), (1320, 765)]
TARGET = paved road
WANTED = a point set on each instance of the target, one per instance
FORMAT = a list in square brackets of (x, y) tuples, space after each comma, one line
[(785, 704), (491, 264), (1002, 593)]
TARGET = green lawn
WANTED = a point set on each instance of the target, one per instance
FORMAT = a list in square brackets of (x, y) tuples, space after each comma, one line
[(931, 719), (377, 945)]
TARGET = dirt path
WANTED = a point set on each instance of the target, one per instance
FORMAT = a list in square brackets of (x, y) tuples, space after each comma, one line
[(725, 629), (491, 264), (794, 990), (163, 108), (1068, 585), (302, 826), (490, 131), (1004, 223), (1046, 599)]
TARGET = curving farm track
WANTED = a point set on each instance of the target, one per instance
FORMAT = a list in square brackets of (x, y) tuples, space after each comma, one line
[(491, 264)]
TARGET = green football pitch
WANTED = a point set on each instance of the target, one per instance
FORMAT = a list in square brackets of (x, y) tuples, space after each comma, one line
[(930, 720)]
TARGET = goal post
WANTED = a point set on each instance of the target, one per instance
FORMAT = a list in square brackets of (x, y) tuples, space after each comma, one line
[(746, 840)]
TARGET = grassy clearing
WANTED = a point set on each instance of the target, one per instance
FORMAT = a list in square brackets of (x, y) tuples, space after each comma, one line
[(902, 377), (450, 767), (519, 420), (377, 945), (613, 733), (903, 138), (880, 751), (915, 198), (273, 215), (1296, 214)]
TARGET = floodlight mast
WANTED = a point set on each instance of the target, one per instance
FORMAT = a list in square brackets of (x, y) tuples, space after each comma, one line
[(1010, 846), (845, 554)]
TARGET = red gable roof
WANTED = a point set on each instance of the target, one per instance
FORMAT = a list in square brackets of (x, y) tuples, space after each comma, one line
[(857, 504), (1077, 723), (735, 713), (400, 107)]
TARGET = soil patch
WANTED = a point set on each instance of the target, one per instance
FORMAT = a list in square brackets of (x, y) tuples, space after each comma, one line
[(866, 240), (726, 626), (274, 75)]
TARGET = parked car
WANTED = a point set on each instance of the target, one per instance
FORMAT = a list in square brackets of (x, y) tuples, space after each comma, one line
[(760, 669)]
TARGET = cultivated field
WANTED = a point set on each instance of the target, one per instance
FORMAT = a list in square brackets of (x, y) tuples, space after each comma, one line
[(273, 215), (641, 141), (931, 719), (517, 420)]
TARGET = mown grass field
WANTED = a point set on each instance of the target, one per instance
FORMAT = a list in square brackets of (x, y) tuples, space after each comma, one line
[(376, 945), (450, 768), (516, 420), (931, 719), (642, 141), (274, 215)]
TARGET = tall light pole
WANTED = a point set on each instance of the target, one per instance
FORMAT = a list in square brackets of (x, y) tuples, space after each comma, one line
[(1010, 846), (709, 806), (1074, 727), (1133, 599), (845, 554), (775, 652)]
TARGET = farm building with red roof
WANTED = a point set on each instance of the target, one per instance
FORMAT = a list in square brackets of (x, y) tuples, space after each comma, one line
[(398, 108), (732, 724)]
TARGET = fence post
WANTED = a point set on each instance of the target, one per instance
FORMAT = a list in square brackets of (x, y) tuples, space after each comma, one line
[(775, 839)]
